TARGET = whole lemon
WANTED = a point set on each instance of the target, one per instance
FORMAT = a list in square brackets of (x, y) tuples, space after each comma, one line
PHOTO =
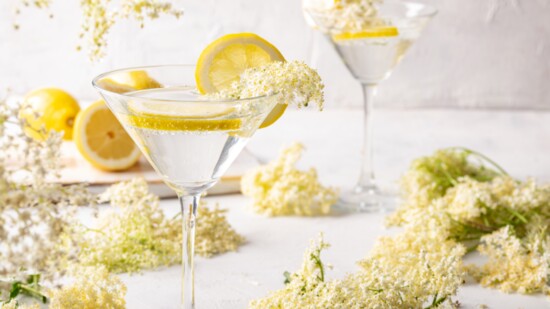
[(49, 109)]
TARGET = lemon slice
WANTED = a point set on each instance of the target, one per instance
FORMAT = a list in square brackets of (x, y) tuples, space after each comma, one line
[(182, 117), (223, 61), (274, 115), (128, 81), (102, 140), (370, 33)]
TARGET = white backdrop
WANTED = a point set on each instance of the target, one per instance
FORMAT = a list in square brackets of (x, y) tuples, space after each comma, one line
[(476, 53)]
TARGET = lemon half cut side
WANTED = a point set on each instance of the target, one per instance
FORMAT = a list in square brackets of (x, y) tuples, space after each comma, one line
[(102, 140)]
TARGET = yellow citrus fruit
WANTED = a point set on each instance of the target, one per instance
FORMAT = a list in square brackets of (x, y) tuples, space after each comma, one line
[(181, 117), (223, 61), (102, 140), (379, 32), (128, 81), (49, 109), (274, 115)]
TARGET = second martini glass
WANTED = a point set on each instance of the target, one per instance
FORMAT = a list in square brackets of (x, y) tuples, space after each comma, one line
[(189, 139), (370, 55)]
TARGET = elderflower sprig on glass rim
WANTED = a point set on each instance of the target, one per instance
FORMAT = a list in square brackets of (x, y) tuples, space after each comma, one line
[(280, 189), (346, 15), (99, 16), (296, 83)]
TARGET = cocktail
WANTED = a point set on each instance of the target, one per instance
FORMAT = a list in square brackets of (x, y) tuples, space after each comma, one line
[(371, 38), (191, 122), (190, 139)]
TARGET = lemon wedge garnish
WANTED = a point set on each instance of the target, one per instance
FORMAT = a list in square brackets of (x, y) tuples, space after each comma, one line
[(182, 116), (223, 61), (102, 140), (49, 109), (380, 32)]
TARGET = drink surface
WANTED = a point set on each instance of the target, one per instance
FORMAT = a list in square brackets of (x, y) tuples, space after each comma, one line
[(372, 60), (190, 144)]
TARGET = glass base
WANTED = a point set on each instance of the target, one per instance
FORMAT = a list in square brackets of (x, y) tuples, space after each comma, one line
[(365, 199)]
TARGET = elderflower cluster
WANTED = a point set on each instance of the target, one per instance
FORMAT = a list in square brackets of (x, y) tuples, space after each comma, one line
[(400, 272), (137, 235), (305, 288), (345, 15), (213, 234), (35, 214), (279, 188), (92, 288), (515, 265), (99, 16), (429, 178), (410, 270), (132, 236), (484, 209), (295, 82)]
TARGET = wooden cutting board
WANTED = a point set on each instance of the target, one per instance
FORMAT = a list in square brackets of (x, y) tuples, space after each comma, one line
[(77, 170)]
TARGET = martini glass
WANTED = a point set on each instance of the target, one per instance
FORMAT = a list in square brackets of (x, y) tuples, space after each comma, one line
[(370, 56), (189, 139)]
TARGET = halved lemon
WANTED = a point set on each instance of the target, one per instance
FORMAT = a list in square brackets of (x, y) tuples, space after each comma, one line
[(223, 61), (366, 34), (102, 140), (182, 117)]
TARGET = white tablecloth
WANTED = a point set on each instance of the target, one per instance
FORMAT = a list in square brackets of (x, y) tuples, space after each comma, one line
[(519, 141)]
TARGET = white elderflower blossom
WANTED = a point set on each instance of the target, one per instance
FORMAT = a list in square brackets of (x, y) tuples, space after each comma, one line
[(99, 16), (295, 82), (35, 214), (138, 235), (304, 289), (411, 270), (401, 272), (213, 234), (428, 178), (347, 15), (516, 265), (447, 195), (92, 288), (279, 188)]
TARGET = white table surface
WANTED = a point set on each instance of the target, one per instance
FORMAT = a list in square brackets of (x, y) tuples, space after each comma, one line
[(520, 141)]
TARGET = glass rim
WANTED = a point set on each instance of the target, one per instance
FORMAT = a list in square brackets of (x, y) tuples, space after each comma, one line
[(97, 86), (431, 10)]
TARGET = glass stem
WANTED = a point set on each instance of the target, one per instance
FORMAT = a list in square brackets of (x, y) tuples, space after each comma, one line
[(189, 204), (366, 179)]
